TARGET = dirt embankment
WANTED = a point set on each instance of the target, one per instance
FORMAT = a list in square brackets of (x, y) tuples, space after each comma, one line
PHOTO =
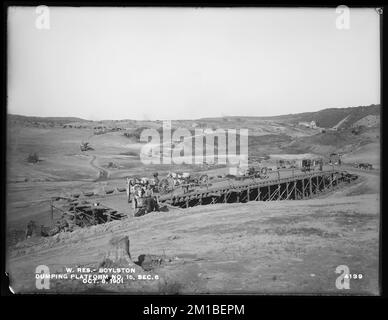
[(257, 247)]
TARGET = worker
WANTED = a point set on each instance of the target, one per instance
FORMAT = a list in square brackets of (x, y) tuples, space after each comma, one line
[(148, 191), (31, 226), (156, 181), (150, 200), (128, 189), (137, 193)]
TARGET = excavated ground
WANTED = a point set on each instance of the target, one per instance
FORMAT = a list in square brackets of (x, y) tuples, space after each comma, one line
[(255, 247)]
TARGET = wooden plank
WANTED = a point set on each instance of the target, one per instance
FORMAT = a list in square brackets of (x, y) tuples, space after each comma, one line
[(214, 194), (234, 190)]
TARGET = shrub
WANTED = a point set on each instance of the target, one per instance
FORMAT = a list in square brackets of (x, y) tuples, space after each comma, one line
[(33, 158)]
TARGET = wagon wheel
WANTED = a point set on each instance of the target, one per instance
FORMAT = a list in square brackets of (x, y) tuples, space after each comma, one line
[(139, 212), (193, 180), (204, 179)]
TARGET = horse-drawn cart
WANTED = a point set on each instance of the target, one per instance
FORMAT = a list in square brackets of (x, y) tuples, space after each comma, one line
[(185, 180), (252, 173)]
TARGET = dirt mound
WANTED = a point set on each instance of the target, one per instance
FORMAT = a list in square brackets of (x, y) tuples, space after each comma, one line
[(328, 142), (368, 153), (368, 121)]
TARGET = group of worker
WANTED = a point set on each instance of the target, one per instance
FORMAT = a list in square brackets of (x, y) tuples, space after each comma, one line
[(179, 178), (142, 192), (141, 187)]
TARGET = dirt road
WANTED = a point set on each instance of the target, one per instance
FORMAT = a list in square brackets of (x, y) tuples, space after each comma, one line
[(102, 172)]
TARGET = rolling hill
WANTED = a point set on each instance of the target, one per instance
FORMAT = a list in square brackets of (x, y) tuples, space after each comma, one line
[(326, 118)]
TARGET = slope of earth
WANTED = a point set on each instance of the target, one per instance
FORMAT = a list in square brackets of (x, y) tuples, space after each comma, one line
[(369, 153), (256, 247), (28, 121), (368, 121), (257, 127), (328, 118), (58, 149), (343, 142)]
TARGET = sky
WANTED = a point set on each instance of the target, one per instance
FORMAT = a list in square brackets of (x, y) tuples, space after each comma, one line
[(187, 63)]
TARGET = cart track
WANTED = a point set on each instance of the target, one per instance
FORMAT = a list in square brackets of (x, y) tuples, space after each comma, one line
[(98, 168)]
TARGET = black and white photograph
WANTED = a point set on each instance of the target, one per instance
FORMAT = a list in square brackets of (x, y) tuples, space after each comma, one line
[(193, 150)]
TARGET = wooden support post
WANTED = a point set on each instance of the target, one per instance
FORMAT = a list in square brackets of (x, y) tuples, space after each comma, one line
[(282, 193), (269, 194), (238, 197), (319, 180), (226, 197), (273, 195), (258, 194), (279, 195), (187, 202), (288, 190), (291, 192), (295, 190), (311, 186), (248, 191), (200, 200), (302, 188)]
